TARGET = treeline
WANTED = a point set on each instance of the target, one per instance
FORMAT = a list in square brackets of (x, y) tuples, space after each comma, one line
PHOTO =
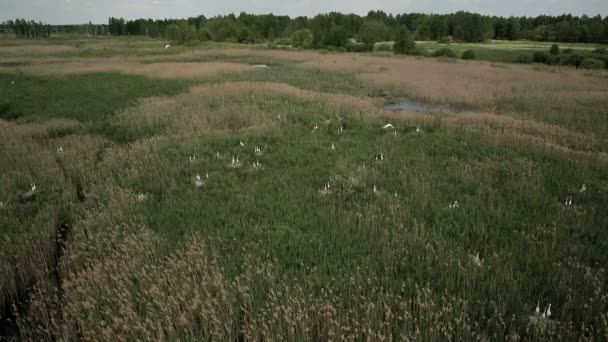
[(28, 29), (335, 29)]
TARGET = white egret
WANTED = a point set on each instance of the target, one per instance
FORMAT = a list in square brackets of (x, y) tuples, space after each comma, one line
[(59, 148), (548, 311), (380, 157), (33, 187), (141, 197), (537, 308), (584, 188), (198, 182), (333, 147), (388, 125), (418, 130), (315, 127), (242, 143), (476, 260), (167, 46)]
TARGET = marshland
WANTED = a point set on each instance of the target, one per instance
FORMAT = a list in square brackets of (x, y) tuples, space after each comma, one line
[(184, 192)]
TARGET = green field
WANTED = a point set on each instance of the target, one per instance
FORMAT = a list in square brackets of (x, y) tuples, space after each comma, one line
[(449, 226)]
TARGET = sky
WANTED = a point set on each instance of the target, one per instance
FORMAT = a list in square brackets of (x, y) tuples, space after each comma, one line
[(98, 11)]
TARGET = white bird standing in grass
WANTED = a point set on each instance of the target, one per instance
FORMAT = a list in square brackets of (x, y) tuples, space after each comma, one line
[(33, 187), (568, 201), (1, 204), (380, 157), (548, 311), (333, 147), (59, 148), (375, 189), (341, 129), (198, 181), (167, 47), (583, 188), (454, 205), (192, 158), (476, 260), (418, 130), (537, 308), (141, 197), (315, 127), (242, 143), (387, 126)]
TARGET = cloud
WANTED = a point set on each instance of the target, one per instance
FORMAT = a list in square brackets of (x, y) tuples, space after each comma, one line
[(80, 11)]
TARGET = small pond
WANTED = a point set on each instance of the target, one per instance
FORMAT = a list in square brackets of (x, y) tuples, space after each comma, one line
[(407, 105)]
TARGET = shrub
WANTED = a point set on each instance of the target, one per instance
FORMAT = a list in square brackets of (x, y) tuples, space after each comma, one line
[(384, 47), (404, 43), (355, 47), (302, 39), (540, 57), (554, 50), (283, 41), (468, 54), (570, 59), (523, 59), (445, 52), (592, 63), (601, 51), (418, 52)]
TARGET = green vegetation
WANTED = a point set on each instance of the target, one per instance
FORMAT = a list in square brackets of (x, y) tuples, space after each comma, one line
[(445, 52), (468, 55), (592, 63), (404, 43), (274, 203)]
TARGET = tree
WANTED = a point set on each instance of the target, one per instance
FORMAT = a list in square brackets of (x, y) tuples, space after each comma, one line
[(403, 41), (302, 39), (371, 32), (182, 33), (554, 50)]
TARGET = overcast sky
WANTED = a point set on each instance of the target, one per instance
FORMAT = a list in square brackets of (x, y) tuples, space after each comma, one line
[(98, 11)]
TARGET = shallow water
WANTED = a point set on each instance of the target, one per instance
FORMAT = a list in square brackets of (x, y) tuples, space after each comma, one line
[(407, 105)]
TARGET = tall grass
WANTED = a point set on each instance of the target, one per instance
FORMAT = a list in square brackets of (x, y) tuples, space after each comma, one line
[(263, 249)]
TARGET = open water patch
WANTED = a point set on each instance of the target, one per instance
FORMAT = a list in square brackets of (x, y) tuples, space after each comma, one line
[(407, 105)]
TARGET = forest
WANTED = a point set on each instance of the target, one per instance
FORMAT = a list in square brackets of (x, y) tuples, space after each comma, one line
[(334, 29)]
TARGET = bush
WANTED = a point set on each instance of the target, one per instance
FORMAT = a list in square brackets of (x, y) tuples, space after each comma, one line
[(554, 50), (445, 52), (592, 63), (302, 39), (404, 43), (601, 51), (283, 41), (567, 51), (540, 57), (523, 59), (384, 47), (570, 59), (418, 52), (355, 47), (468, 54)]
